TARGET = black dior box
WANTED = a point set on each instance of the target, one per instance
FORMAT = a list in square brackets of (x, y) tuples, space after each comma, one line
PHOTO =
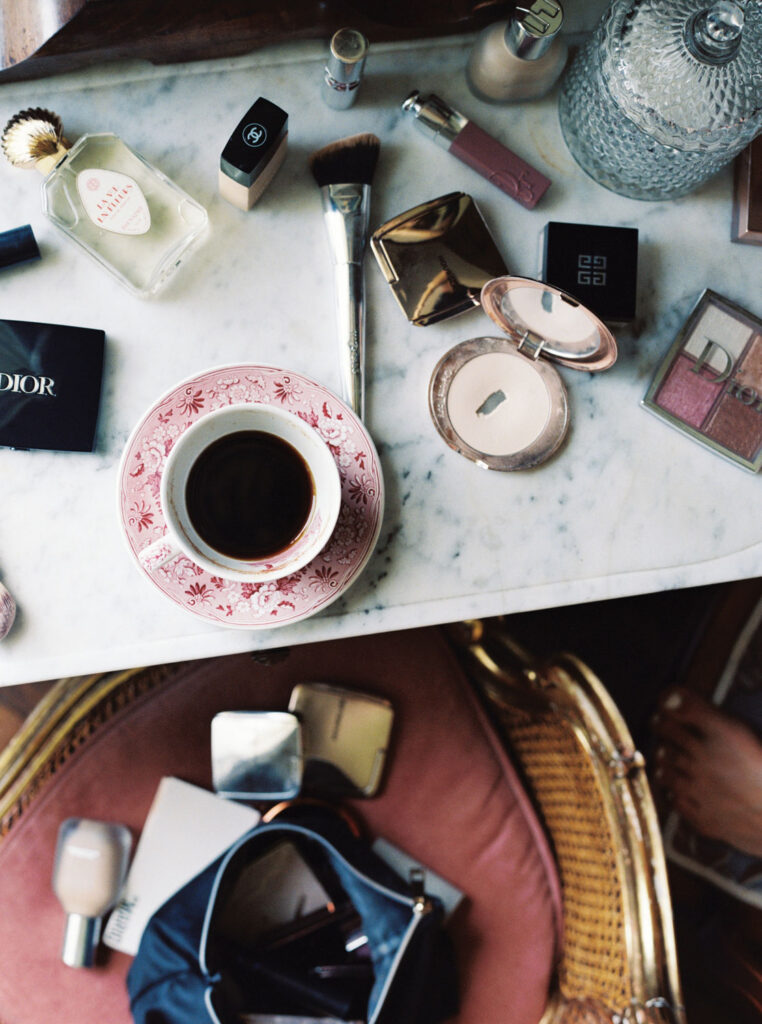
[(594, 263), (50, 385)]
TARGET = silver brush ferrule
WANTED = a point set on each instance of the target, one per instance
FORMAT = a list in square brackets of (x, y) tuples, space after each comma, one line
[(346, 210)]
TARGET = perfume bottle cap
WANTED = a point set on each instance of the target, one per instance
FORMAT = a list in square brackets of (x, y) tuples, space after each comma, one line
[(532, 29), (18, 246), (34, 138)]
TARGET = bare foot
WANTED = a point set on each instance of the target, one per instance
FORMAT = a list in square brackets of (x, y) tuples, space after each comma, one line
[(711, 765)]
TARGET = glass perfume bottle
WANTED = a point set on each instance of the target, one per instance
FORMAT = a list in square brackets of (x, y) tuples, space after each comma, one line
[(664, 94), (125, 213), (519, 59)]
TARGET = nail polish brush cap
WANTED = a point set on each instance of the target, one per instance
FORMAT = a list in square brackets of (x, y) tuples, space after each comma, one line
[(532, 29), (18, 246)]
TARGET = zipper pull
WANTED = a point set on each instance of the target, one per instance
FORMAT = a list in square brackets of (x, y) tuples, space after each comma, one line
[(421, 902)]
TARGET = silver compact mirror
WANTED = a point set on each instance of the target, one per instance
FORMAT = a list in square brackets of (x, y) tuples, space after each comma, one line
[(256, 755)]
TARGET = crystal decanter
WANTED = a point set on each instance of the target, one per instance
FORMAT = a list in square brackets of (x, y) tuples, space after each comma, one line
[(664, 94)]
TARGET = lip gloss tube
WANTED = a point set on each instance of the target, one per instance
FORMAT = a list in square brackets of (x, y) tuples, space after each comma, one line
[(468, 142)]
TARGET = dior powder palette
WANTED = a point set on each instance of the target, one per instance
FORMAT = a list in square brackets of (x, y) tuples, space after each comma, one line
[(50, 385), (710, 382)]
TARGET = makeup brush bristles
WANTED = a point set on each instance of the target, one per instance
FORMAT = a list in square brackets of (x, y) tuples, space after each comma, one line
[(350, 160)]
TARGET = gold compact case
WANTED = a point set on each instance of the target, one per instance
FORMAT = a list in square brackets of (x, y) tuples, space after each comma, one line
[(496, 400), (437, 257), (345, 737)]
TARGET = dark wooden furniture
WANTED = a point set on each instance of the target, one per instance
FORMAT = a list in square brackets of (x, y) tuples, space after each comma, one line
[(43, 37)]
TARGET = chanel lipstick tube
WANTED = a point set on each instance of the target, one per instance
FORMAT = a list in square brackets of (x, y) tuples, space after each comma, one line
[(468, 142)]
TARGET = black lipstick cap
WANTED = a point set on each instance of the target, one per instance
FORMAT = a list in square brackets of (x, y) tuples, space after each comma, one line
[(18, 246)]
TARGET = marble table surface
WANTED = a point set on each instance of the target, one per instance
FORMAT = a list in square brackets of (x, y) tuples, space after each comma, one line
[(628, 506)]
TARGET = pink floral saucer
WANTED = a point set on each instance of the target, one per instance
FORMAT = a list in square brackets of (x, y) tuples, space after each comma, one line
[(276, 602)]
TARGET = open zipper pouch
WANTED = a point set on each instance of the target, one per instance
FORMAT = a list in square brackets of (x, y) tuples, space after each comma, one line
[(297, 919)]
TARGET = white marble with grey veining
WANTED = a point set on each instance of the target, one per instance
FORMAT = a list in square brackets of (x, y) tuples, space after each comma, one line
[(628, 506)]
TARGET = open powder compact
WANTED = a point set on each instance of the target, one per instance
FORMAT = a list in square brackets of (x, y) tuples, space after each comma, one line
[(498, 401)]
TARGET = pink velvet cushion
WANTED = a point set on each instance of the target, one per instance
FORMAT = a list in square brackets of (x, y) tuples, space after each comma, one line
[(451, 798)]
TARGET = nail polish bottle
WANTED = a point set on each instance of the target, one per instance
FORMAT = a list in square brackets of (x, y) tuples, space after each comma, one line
[(519, 59), (126, 214), (88, 874)]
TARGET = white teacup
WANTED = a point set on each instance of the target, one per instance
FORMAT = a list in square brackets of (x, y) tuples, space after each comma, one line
[(302, 443)]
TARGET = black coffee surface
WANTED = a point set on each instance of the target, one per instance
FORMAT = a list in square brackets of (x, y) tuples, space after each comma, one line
[(249, 494)]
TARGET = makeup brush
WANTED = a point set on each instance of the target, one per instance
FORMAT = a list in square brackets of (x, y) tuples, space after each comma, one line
[(344, 171)]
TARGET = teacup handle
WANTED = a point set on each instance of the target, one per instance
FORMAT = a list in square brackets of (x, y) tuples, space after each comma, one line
[(157, 554)]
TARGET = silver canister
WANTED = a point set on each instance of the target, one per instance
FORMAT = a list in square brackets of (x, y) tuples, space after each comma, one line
[(343, 72)]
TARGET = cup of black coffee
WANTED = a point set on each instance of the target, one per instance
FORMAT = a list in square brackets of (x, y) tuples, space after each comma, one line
[(249, 492)]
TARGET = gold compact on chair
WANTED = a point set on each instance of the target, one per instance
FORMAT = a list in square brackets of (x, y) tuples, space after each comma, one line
[(618, 961)]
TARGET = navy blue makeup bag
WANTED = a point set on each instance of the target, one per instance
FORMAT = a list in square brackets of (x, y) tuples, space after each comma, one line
[(184, 974)]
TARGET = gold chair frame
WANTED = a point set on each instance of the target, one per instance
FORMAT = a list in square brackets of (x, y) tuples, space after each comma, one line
[(579, 763), (618, 963)]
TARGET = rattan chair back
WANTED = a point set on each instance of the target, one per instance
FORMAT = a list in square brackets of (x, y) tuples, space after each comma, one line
[(589, 785)]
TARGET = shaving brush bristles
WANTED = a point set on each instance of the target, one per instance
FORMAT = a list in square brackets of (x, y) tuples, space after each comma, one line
[(350, 160), (31, 135)]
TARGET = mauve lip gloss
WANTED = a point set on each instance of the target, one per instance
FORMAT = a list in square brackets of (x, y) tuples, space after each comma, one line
[(468, 142)]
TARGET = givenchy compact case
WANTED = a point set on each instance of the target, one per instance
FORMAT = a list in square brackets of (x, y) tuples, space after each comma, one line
[(709, 384), (50, 385), (596, 263), (253, 154), (498, 401), (437, 257)]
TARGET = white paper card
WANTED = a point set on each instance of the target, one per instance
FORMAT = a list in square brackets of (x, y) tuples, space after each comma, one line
[(186, 829)]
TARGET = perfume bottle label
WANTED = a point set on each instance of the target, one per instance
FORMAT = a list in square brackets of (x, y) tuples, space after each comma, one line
[(113, 201)]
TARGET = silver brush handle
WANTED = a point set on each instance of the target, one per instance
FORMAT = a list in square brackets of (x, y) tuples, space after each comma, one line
[(346, 209), (350, 328)]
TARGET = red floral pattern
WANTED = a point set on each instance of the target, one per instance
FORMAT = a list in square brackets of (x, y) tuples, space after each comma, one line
[(274, 602)]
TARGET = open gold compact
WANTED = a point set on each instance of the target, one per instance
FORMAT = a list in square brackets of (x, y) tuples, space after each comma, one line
[(498, 401)]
